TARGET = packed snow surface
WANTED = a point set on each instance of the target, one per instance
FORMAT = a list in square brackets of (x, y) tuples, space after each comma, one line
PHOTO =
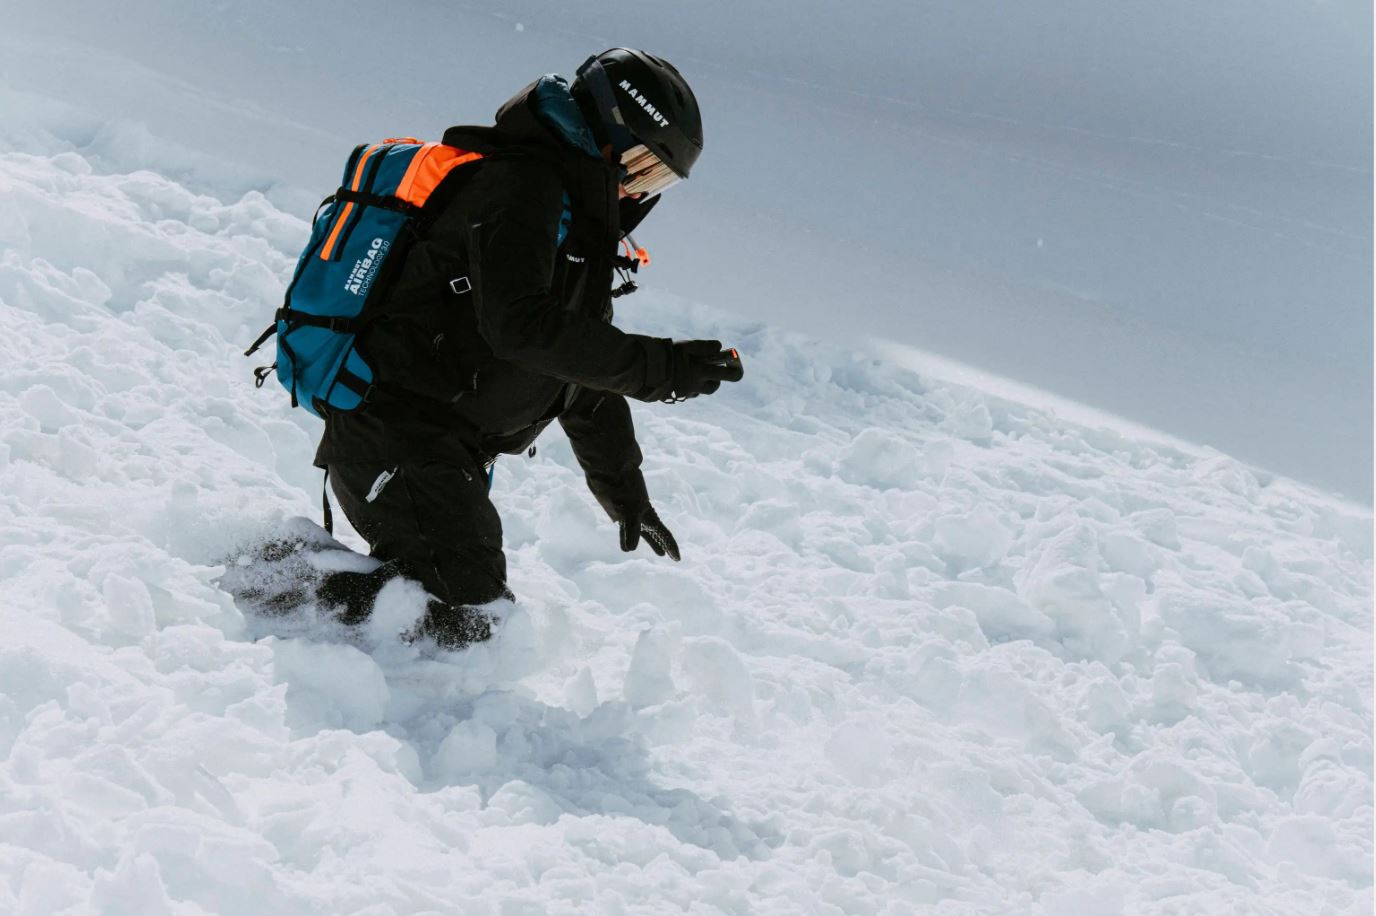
[(928, 650)]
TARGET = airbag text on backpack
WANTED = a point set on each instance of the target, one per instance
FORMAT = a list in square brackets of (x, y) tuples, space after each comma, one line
[(365, 268)]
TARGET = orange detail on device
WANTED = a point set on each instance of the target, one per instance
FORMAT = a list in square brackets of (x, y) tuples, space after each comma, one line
[(729, 358), (636, 252)]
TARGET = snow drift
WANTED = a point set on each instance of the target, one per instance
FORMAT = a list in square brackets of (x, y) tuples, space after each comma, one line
[(929, 650)]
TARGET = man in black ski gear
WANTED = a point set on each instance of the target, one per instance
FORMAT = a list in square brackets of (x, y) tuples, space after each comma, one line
[(500, 322)]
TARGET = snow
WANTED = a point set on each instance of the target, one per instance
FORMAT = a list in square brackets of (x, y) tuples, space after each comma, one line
[(930, 649), (1160, 209)]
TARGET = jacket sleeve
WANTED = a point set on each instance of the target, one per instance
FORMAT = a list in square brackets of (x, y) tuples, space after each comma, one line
[(600, 430), (512, 240)]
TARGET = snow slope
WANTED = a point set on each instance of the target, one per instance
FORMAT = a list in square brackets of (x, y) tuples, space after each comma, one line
[(929, 650), (1077, 194)]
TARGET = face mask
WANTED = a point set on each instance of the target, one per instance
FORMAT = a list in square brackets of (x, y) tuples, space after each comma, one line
[(646, 173)]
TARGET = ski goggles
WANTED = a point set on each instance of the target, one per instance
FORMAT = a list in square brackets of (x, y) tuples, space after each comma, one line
[(646, 173)]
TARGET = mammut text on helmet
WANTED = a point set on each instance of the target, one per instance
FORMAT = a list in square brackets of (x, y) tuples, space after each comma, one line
[(644, 103)]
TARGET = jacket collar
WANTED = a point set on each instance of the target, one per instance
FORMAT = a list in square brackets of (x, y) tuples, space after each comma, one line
[(537, 122)]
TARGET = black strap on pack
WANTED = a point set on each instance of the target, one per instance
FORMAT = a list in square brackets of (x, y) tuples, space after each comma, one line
[(337, 323), (262, 339), (600, 86), (383, 201), (327, 514), (291, 358), (321, 209), (355, 383)]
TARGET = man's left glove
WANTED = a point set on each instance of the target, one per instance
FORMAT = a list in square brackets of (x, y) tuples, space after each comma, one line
[(692, 368), (646, 522)]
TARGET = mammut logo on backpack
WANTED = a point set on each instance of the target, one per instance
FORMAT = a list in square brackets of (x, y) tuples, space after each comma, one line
[(365, 268), (644, 103)]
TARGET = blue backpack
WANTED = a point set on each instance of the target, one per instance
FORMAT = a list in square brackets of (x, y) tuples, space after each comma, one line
[(358, 242)]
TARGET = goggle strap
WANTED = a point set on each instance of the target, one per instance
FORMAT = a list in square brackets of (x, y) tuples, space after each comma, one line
[(600, 85)]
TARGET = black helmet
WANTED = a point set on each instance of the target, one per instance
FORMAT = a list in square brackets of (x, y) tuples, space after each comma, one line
[(640, 99)]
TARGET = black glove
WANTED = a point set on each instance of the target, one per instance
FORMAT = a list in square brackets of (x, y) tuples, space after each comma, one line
[(696, 367), (646, 522)]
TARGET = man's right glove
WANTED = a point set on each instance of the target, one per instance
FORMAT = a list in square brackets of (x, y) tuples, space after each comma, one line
[(646, 522), (696, 367)]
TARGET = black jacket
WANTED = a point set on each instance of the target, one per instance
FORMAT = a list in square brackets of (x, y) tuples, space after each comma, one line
[(493, 329)]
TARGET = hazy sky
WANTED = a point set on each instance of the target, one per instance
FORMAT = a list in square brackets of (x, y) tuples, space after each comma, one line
[(1162, 209)]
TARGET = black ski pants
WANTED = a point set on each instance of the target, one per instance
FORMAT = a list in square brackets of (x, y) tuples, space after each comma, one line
[(429, 520)]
